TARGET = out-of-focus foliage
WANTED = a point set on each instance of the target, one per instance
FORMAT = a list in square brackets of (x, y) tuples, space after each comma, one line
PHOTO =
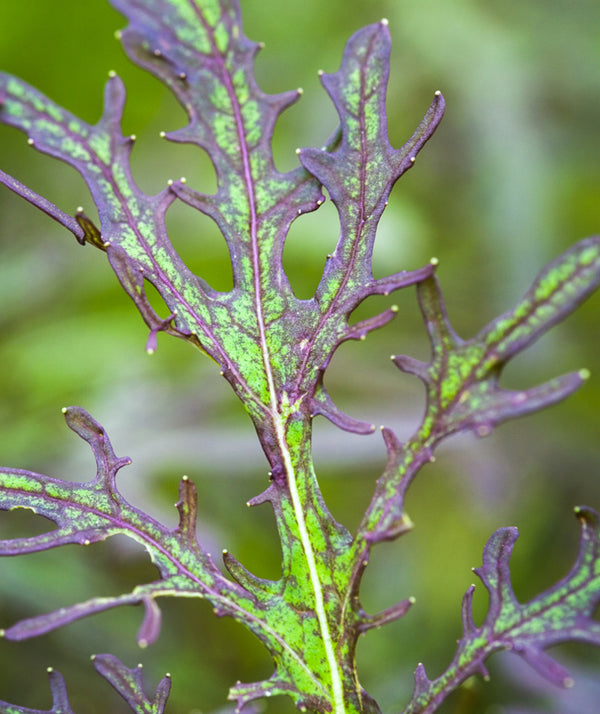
[(510, 180)]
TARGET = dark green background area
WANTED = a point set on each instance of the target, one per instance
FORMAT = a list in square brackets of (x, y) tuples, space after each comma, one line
[(510, 180)]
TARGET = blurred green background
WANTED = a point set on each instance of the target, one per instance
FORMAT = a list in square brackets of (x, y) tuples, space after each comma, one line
[(510, 180)]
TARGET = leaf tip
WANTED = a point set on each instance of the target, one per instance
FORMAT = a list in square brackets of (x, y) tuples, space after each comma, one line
[(587, 515), (151, 343), (384, 21), (482, 430), (584, 374), (434, 261)]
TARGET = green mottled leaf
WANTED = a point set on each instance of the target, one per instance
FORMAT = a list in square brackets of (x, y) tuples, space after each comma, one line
[(561, 614), (461, 380), (91, 512), (272, 347), (128, 683)]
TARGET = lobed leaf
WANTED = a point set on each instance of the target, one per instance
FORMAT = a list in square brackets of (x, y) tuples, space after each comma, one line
[(91, 512), (60, 699), (129, 220), (359, 176), (462, 378), (270, 345), (563, 613), (128, 683), (361, 172), (278, 613), (463, 393), (274, 348)]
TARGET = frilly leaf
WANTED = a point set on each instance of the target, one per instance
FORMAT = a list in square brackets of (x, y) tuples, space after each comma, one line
[(128, 683), (129, 219), (563, 613), (60, 699), (462, 378), (85, 513), (461, 381), (91, 512), (360, 173), (270, 345)]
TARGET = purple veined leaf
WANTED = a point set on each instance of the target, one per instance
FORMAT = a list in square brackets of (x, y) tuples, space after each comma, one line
[(359, 175), (563, 613), (60, 699), (272, 347), (463, 393), (128, 683), (462, 378), (86, 513), (91, 512), (265, 339)]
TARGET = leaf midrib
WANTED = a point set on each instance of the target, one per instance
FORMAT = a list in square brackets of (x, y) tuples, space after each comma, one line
[(275, 415)]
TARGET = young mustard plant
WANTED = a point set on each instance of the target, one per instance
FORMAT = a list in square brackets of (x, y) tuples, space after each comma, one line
[(274, 349)]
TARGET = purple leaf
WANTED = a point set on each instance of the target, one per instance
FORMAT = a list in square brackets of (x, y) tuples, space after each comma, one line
[(91, 512), (128, 683), (563, 613), (461, 380), (60, 700)]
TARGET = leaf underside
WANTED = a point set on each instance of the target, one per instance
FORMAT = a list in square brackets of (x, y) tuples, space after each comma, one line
[(274, 348)]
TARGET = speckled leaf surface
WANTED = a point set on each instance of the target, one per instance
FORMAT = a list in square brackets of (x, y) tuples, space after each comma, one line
[(272, 347), (563, 613), (90, 512), (462, 378), (128, 683)]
